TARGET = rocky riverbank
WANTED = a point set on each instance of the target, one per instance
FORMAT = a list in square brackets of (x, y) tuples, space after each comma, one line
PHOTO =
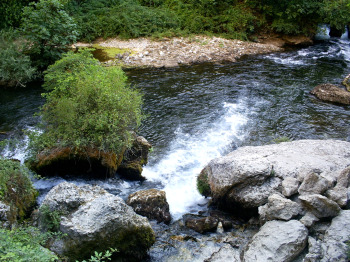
[(172, 52)]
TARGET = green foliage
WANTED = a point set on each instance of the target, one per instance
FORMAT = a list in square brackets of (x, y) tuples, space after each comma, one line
[(11, 12), (89, 106), (49, 29), (126, 18), (281, 139), (15, 65), (203, 184), (24, 245), (16, 189), (290, 16), (50, 219), (100, 256), (336, 13)]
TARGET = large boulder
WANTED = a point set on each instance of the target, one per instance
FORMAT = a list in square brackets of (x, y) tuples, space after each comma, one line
[(331, 93), (246, 177), (151, 203), (91, 219), (320, 206), (277, 241), (66, 160)]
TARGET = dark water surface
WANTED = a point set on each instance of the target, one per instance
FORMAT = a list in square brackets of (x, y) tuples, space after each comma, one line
[(201, 112)]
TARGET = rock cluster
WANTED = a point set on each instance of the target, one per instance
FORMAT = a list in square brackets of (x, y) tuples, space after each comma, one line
[(294, 187), (172, 52), (91, 219)]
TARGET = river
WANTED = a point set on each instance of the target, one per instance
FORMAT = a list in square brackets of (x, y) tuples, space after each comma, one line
[(200, 112)]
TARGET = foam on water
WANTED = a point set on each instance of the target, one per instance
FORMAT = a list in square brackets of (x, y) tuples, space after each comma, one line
[(189, 153)]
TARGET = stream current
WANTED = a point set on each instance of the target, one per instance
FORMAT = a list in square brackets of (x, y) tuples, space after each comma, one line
[(201, 112)]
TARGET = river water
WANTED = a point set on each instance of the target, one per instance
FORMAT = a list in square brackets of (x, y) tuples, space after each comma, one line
[(200, 112)]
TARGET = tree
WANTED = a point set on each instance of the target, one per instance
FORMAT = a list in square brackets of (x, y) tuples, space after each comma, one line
[(49, 29), (89, 106), (336, 13)]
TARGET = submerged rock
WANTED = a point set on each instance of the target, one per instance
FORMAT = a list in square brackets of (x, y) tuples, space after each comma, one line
[(203, 225), (92, 219), (150, 203), (277, 241), (331, 93)]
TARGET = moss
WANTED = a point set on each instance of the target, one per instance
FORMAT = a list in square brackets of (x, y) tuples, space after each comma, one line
[(16, 189), (203, 184), (112, 52)]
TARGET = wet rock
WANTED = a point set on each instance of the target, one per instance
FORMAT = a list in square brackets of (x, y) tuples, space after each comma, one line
[(5, 215), (331, 93), (290, 186), (279, 207), (65, 160), (152, 204), (134, 158), (94, 220), (320, 205), (226, 253), (202, 225), (247, 176), (314, 184), (277, 241), (297, 40)]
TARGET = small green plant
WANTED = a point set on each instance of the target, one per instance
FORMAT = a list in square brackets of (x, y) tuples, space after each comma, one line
[(100, 256), (24, 244), (281, 139), (50, 219)]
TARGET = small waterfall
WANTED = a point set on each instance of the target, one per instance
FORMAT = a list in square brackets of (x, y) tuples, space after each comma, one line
[(188, 154), (323, 32)]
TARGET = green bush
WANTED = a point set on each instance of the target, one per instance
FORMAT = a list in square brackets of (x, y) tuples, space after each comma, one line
[(11, 12), (49, 29), (15, 66), (89, 106), (24, 245), (16, 189)]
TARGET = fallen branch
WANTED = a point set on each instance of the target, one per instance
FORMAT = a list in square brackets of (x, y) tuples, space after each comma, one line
[(345, 82)]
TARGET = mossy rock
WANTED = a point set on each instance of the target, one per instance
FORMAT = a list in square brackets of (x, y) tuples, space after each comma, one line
[(16, 189), (203, 184), (131, 171)]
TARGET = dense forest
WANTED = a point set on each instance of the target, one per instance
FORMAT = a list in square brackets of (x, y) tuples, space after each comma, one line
[(35, 34)]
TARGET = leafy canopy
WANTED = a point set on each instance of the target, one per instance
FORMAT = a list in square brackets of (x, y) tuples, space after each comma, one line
[(88, 105), (49, 29)]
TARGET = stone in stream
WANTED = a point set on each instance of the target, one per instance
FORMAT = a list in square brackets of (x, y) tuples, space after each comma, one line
[(92, 219), (277, 241), (151, 203), (331, 93)]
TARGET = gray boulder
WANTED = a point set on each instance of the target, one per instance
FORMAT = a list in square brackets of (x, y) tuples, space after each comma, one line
[(290, 186), (339, 193), (334, 243), (314, 184), (226, 253), (277, 241), (94, 220), (247, 176), (280, 208), (320, 205), (309, 219)]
